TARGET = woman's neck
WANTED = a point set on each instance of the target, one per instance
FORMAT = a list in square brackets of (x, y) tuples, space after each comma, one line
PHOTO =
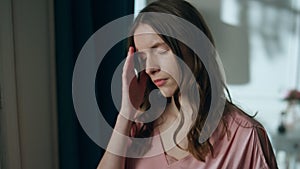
[(169, 116)]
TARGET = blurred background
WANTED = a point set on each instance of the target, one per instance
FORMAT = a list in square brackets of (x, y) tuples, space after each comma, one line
[(258, 42)]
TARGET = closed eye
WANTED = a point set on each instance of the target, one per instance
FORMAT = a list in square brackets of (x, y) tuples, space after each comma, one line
[(161, 51)]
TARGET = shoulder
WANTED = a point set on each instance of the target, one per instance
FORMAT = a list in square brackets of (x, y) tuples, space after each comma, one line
[(236, 124), (245, 137), (241, 127), (236, 116)]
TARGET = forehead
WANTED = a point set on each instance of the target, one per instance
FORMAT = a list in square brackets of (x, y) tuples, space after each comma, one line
[(144, 29), (145, 37)]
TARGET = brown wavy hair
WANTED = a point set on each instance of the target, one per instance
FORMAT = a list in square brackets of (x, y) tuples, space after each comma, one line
[(183, 9)]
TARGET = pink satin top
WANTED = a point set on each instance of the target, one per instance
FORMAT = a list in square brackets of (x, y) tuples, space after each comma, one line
[(246, 147)]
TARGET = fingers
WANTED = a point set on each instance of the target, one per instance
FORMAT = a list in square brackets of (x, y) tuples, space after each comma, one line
[(131, 50), (133, 90), (128, 108), (129, 59)]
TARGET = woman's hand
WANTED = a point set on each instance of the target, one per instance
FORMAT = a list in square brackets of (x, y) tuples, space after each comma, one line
[(132, 88)]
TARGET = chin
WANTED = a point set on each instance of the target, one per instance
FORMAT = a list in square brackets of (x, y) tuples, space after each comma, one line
[(167, 93)]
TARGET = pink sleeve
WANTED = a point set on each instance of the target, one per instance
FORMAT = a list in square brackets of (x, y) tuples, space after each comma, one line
[(266, 148)]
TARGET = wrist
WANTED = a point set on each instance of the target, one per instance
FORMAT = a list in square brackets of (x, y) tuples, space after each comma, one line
[(123, 125)]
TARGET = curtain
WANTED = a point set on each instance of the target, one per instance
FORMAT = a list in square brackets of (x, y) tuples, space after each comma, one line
[(75, 22)]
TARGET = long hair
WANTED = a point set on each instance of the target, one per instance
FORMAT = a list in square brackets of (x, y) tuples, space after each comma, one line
[(183, 9)]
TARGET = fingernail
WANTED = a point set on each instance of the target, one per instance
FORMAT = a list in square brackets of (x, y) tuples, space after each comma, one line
[(130, 49)]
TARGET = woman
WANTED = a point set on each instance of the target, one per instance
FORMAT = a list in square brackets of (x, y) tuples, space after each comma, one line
[(183, 134)]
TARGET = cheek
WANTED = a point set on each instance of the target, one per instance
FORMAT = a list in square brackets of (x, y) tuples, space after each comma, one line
[(170, 89), (171, 67)]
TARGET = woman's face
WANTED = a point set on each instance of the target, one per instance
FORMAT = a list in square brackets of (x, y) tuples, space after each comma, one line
[(157, 59)]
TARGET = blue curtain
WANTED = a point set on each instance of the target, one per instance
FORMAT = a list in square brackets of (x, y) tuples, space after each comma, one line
[(75, 22)]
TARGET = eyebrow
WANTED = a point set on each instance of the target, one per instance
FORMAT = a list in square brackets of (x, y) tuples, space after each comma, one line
[(156, 45)]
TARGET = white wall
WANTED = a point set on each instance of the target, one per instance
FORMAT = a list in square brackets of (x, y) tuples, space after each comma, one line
[(258, 42)]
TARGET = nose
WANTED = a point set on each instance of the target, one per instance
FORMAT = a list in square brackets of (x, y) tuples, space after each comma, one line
[(151, 66), (152, 70)]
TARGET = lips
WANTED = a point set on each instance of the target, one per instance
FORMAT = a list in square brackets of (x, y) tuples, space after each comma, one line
[(160, 82)]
